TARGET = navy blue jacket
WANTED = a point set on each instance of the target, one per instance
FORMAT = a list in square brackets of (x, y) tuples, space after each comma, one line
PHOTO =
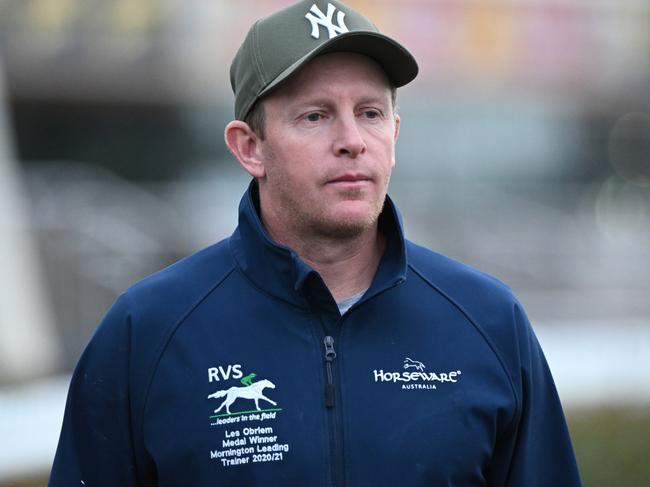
[(234, 367)]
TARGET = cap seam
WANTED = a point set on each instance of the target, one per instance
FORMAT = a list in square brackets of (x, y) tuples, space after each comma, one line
[(256, 58)]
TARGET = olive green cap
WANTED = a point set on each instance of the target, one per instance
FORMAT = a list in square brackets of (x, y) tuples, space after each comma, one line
[(280, 44)]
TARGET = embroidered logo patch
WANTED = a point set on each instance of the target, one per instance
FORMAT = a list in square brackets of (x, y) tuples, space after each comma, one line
[(413, 376), (235, 405), (239, 408), (317, 18)]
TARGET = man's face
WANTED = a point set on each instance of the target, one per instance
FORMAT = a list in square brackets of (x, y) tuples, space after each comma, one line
[(329, 148)]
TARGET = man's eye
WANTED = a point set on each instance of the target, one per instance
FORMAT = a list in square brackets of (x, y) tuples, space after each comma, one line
[(313, 117), (371, 114)]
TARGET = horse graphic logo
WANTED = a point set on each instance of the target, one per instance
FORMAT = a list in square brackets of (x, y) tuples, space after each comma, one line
[(252, 391), (414, 363)]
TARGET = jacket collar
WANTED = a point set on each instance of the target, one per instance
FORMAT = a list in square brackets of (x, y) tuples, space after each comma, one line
[(279, 271)]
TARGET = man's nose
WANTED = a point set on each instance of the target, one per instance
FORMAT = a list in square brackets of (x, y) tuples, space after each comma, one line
[(348, 139)]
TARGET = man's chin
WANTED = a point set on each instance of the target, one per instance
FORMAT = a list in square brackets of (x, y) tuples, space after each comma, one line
[(344, 226)]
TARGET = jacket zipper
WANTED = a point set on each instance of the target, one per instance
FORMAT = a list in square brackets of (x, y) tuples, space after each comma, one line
[(334, 415), (330, 355)]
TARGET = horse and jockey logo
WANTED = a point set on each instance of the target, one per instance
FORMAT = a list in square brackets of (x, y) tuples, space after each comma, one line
[(249, 390), (252, 391)]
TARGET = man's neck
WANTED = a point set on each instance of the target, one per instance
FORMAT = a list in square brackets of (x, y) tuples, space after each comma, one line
[(347, 266)]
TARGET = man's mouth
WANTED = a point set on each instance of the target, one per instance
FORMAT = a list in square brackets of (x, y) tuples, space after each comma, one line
[(350, 178)]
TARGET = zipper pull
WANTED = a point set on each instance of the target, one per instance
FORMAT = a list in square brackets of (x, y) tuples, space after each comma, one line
[(330, 355)]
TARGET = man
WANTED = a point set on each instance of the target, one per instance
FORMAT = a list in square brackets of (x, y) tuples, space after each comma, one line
[(315, 346)]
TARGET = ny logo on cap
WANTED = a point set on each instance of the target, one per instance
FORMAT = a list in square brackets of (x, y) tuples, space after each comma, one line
[(317, 17)]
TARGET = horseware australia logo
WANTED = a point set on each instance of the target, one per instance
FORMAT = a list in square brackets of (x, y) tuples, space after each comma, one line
[(316, 17), (238, 396), (413, 376)]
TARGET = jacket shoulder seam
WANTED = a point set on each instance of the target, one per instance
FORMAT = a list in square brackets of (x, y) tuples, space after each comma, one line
[(485, 337), (167, 339)]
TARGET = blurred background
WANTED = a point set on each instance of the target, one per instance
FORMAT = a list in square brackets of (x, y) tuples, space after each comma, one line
[(524, 151)]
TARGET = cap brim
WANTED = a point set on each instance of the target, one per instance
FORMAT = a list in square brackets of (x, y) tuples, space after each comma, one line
[(400, 66)]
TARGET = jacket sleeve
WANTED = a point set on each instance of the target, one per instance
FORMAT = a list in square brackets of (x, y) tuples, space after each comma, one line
[(536, 450), (96, 443)]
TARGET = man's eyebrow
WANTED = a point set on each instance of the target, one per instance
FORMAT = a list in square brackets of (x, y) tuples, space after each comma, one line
[(313, 100), (323, 101), (374, 99)]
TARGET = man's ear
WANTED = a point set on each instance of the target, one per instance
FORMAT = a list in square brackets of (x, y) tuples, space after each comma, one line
[(397, 122), (245, 146)]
